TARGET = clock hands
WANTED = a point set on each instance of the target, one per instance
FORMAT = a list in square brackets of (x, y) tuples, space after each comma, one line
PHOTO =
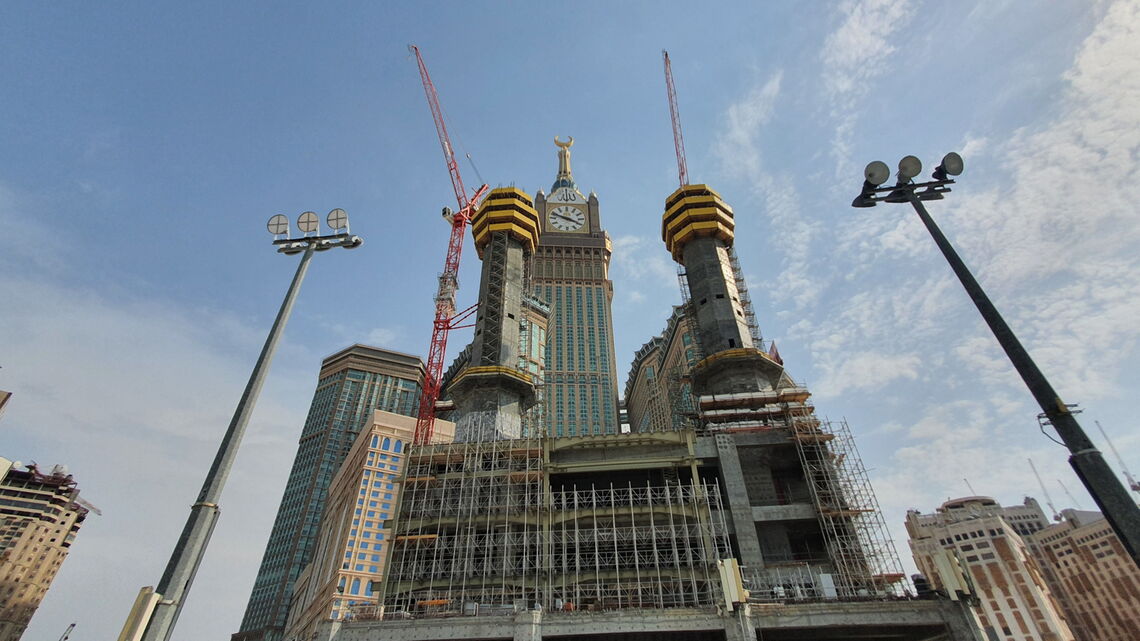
[(566, 218)]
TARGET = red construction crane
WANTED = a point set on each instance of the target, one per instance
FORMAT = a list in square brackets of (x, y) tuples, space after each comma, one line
[(445, 317), (674, 112)]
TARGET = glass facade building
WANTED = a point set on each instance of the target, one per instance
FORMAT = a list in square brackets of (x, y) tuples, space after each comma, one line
[(571, 273), (352, 384)]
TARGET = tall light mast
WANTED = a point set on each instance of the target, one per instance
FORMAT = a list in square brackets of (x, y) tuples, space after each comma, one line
[(445, 317), (675, 113)]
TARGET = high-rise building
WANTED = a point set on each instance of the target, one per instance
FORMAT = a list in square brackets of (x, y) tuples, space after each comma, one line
[(746, 518), (977, 537), (1092, 575), (39, 519), (354, 535), (571, 273), (658, 390), (352, 384), (494, 391)]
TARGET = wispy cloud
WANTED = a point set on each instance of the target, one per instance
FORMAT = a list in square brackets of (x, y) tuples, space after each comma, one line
[(852, 56), (1065, 274)]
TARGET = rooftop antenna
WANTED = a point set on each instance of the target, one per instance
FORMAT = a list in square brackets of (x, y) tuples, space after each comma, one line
[(971, 487), (1132, 484), (1048, 499), (1070, 495)]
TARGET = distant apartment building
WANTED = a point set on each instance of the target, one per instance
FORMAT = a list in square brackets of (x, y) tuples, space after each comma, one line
[(354, 533), (985, 540), (39, 518), (1094, 578), (353, 383)]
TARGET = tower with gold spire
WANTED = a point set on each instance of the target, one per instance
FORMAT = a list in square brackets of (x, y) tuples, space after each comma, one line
[(571, 272)]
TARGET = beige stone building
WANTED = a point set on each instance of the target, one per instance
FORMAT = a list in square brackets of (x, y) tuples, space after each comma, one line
[(354, 535), (658, 390), (1014, 602), (39, 518), (1092, 575)]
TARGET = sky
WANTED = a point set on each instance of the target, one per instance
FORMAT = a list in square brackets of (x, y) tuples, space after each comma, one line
[(143, 146)]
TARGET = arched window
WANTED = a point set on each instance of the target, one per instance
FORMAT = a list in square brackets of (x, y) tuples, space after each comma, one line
[(387, 444), (399, 446), (355, 586), (368, 589), (375, 441)]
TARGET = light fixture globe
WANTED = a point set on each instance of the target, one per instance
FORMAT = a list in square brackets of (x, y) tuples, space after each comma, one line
[(337, 220), (278, 225), (307, 222), (952, 164), (909, 167), (876, 172)]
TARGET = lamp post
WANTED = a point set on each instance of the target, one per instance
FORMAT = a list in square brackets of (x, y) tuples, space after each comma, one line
[(1107, 490), (156, 611)]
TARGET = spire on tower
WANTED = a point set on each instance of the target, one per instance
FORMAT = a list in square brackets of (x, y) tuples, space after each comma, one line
[(564, 179)]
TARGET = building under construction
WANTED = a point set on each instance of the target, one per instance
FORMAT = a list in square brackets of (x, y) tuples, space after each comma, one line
[(735, 513)]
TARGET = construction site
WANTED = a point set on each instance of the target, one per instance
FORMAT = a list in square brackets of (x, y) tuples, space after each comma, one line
[(733, 512)]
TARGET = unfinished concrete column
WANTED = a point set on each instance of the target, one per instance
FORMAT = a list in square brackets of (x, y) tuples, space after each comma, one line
[(492, 393)]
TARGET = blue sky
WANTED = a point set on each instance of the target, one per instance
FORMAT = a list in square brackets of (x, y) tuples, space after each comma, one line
[(146, 144)]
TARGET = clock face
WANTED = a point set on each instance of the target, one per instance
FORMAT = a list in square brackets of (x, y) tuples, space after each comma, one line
[(566, 218)]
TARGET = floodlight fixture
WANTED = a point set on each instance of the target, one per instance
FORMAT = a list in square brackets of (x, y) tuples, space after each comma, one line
[(278, 224), (952, 165), (337, 220), (876, 172), (308, 222), (909, 167)]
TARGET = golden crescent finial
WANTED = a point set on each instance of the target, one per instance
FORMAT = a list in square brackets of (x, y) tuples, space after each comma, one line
[(564, 145)]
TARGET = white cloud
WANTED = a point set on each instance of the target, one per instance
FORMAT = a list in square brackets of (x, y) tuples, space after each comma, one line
[(381, 336), (737, 146), (641, 260), (866, 371), (852, 56)]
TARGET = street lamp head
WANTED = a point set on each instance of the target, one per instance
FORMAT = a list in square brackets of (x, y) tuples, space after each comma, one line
[(278, 224), (876, 172), (909, 167), (337, 220), (307, 222), (952, 165), (353, 242)]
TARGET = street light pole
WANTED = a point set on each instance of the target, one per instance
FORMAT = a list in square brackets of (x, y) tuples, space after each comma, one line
[(157, 624), (1098, 478)]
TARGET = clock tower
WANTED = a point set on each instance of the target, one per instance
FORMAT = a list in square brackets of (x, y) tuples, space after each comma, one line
[(571, 272)]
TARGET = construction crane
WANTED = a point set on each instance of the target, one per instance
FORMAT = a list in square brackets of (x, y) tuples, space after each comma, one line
[(1048, 499), (1132, 484), (683, 179), (445, 317), (87, 504), (675, 114)]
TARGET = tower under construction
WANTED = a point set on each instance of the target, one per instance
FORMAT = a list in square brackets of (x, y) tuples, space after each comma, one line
[(739, 515)]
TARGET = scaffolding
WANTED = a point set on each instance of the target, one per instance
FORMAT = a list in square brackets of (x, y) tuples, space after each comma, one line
[(482, 530), (745, 298), (859, 546)]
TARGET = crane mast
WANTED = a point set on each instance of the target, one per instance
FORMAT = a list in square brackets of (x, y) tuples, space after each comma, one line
[(675, 114), (1132, 484), (445, 317)]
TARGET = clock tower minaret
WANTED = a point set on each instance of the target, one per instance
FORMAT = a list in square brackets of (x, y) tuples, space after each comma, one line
[(571, 272)]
